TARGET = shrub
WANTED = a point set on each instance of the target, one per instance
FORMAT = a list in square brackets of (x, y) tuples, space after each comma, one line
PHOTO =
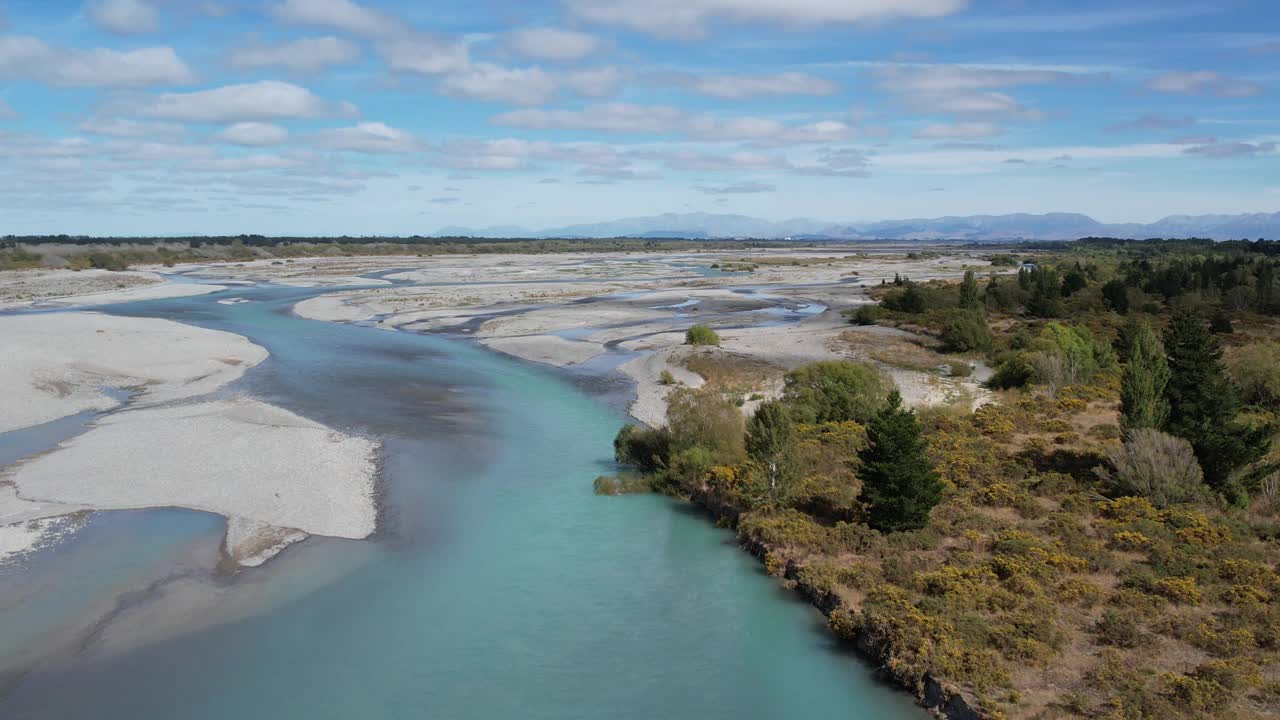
[(1159, 467), (967, 331), (1256, 370), (624, 485), (666, 378), (649, 450), (1013, 371), (866, 315), (1119, 629), (959, 369), (706, 419), (834, 391), (701, 335)]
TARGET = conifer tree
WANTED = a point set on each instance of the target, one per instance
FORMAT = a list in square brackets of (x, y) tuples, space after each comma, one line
[(899, 485), (1146, 375), (769, 432), (969, 291), (1203, 404)]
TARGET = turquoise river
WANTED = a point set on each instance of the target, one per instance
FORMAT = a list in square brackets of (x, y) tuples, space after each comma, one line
[(498, 585)]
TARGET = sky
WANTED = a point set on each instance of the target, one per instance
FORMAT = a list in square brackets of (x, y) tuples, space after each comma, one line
[(400, 117)]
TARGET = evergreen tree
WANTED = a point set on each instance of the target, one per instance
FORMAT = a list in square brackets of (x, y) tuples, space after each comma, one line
[(1046, 294), (1146, 374), (1203, 404), (969, 291), (1116, 296), (899, 485)]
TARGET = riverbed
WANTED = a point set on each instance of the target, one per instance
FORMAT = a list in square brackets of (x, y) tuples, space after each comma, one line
[(497, 584)]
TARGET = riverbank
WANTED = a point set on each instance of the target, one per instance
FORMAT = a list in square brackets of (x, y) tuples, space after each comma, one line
[(274, 475), (66, 288)]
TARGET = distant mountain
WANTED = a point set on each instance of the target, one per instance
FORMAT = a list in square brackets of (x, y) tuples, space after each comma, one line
[(970, 228)]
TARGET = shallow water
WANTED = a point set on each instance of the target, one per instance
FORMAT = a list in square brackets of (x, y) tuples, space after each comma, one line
[(499, 585)]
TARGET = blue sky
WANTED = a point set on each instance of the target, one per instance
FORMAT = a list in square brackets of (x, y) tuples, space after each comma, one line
[(398, 117)]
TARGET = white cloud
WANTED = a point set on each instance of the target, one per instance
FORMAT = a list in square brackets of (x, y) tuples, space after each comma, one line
[(594, 82), (1203, 82), (688, 18), (341, 15), (657, 119), (609, 117), (965, 130), (266, 100), (254, 134), (123, 17), (970, 90), (426, 55), (1232, 149), (303, 55), (553, 44), (125, 128), (369, 137), (28, 58), (494, 83), (737, 87)]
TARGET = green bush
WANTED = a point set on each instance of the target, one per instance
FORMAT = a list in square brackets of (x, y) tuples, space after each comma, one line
[(649, 450), (867, 315), (666, 378), (1119, 629), (1013, 371), (834, 391), (622, 485), (701, 335), (967, 331)]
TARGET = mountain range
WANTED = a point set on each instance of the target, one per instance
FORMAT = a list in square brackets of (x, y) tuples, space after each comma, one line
[(969, 228)]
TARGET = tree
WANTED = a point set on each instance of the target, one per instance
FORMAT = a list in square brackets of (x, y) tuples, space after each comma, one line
[(1074, 281), (1046, 293), (1203, 404), (1142, 387), (1162, 468), (1116, 296), (769, 433), (833, 391), (899, 485), (969, 291)]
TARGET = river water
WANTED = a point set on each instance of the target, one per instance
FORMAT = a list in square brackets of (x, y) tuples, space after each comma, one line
[(498, 586)]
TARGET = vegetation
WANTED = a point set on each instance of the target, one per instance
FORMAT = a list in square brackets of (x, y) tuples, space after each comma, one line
[(1101, 541), (899, 486), (701, 335)]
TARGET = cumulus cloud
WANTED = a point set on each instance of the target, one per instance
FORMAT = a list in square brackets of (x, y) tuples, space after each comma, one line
[(303, 55), (28, 58), (553, 44), (123, 17), (688, 18), (254, 134), (126, 128), (1232, 149), (741, 188), (494, 83), (1203, 82), (341, 15), (369, 137), (266, 100), (594, 82), (425, 55), (738, 87), (966, 130)]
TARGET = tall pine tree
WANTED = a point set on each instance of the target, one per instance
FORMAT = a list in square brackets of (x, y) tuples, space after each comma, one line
[(899, 485), (1146, 375), (1203, 404), (969, 291)]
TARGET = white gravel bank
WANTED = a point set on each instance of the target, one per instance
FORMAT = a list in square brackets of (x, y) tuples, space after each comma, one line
[(242, 459), (57, 364)]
